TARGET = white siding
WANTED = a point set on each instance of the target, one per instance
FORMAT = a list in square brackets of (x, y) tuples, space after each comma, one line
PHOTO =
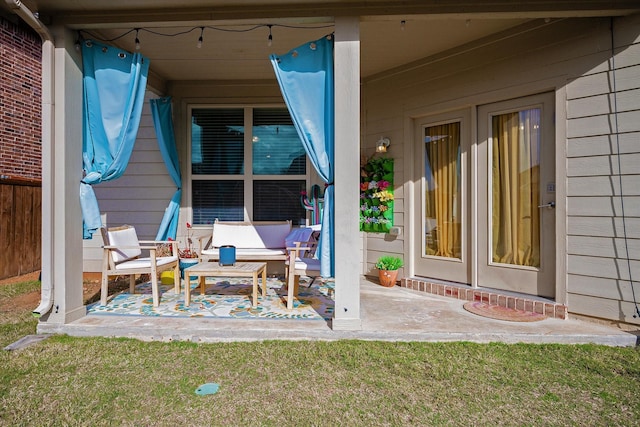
[(139, 197), (572, 58)]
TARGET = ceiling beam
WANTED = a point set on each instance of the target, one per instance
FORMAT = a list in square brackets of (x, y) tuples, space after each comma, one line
[(111, 16)]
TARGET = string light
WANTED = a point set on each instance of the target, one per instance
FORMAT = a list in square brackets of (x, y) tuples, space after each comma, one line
[(137, 39), (199, 45), (90, 35), (77, 43), (402, 24)]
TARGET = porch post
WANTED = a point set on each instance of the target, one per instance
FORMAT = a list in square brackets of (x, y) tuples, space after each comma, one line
[(346, 173), (61, 174)]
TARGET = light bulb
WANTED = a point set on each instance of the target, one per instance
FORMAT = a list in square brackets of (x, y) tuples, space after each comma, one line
[(402, 24), (270, 39), (137, 39), (200, 38)]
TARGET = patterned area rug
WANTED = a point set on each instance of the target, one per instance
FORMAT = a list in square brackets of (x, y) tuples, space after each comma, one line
[(502, 313), (225, 298)]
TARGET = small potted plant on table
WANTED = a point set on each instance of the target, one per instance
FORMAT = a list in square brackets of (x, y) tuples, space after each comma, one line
[(388, 266)]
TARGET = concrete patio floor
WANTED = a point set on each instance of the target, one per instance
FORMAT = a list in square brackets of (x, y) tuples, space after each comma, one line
[(388, 314)]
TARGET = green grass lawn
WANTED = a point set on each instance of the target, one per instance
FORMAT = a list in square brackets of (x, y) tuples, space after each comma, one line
[(64, 381)]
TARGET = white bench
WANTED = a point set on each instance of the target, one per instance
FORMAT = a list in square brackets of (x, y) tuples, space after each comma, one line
[(253, 241)]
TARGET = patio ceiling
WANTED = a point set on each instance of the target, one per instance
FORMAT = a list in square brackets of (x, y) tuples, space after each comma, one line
[(230, 52), (244, 55)]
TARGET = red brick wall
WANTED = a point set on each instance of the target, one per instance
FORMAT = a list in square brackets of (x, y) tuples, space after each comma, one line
[(20, 102)]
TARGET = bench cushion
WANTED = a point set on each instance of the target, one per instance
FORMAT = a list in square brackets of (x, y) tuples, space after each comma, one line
[(250, 236)]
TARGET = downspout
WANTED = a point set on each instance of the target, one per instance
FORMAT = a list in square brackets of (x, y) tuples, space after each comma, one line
[(27, 16), (48, 48)]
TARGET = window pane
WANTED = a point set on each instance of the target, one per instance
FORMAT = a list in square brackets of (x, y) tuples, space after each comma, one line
[(218, 199), (277, 149), (442, 202), (515, 169), (278, 201), (217, 141)]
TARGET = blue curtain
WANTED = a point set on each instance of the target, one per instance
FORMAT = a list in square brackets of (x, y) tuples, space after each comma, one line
[(163, 124), (305, 75), (114, 82)]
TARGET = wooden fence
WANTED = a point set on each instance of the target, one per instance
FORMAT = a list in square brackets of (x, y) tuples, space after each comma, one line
[(20, 227)]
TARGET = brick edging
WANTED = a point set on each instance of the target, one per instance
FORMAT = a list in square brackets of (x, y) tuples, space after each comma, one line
[(489, 296)]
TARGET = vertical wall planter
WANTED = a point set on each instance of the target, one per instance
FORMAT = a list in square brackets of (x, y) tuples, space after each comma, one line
[(376, 195)]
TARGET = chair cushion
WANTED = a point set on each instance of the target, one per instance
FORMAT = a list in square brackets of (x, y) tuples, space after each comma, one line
[(145, 262), (298, 235), (122, 237), (307, 264)]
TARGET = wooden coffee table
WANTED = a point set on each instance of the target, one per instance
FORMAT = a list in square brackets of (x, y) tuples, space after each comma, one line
[(239, 269)]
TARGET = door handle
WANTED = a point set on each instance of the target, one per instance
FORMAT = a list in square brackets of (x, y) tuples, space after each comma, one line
[(549, 205)]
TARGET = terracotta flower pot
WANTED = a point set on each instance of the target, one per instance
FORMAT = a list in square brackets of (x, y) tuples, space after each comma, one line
[(388, 277)]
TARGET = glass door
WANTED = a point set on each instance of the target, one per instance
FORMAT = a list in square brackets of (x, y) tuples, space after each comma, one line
[(516, 183), (443, 223)]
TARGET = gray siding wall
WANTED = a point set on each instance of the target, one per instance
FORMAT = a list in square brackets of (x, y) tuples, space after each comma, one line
[(603, 180), (139, 197), (570, 57)]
